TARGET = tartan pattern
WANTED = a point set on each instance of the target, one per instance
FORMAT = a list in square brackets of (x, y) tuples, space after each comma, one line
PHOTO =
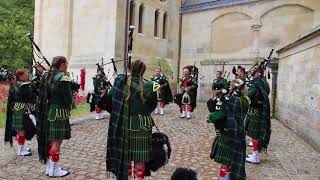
[(41, 117), (252, 122), (117, 142), (183, 83), (124, 145), (59, 130), (218, 84), (238, 171), (165, 94), (21, 98), (234, 137), (52, 92), (8, 130), (17, 120), (264, 126), (221, 151), (140, 145)]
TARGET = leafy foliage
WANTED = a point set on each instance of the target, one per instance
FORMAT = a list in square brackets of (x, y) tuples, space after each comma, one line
[(165, 68), (16, 20)]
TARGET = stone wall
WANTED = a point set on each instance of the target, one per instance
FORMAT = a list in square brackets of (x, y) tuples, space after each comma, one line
[(81, 30), (51, 27), (85, 31), (298, 93), (150, 47), (242, 31)]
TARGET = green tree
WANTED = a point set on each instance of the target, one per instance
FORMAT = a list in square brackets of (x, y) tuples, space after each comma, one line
[(16, 20)]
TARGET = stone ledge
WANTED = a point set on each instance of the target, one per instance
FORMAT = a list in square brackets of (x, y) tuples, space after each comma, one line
[(309, 35), (229, 61), (191, 7)]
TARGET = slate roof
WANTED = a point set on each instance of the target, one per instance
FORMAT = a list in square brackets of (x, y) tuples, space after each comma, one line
[(198, 5)]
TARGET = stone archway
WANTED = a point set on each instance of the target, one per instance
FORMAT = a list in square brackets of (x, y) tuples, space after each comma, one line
[(284, 24), (230, 33)]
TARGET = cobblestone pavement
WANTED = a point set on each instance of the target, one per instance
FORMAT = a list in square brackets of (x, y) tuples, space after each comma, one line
[(84, 155)]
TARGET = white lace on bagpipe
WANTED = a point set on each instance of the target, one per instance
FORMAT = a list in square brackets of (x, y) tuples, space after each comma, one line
[(259, 65), (239, 84), (6, 75)]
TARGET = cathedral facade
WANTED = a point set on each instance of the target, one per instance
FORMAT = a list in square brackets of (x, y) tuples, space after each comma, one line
[(87, 31), (212, 34)]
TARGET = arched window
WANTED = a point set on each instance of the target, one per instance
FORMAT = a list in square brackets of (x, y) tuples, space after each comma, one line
[(164, 27), (132, 13), (141, 11), (156, 23)]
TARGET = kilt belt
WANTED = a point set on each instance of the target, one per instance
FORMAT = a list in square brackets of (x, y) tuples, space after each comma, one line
[(58, 114)]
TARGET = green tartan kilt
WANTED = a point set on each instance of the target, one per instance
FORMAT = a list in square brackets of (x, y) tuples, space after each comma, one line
[(59, 130), (252, 122), (221, 151), (17, 120), (140, 145)]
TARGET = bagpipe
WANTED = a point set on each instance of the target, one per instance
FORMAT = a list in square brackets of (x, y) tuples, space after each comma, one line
[(101, 69), (75, 86), (161, 148), (105, 80), (217, 103), (106, 101), (40, 66), (161, 152), (100, 99), (225, 74), (6, 75), (183, 97), (263, 65)]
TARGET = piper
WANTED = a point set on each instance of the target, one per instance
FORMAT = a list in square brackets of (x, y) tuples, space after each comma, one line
[(164, 93)]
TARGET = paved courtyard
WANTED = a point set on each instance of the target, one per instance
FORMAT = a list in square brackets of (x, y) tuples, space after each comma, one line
[(288, 157)]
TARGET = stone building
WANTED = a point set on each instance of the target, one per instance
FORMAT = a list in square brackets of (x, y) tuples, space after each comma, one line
[(297, 101), (207, 33), (240, 31), (85, 31)]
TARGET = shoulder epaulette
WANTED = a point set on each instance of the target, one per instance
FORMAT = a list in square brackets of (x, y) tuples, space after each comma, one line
[(66, 78)]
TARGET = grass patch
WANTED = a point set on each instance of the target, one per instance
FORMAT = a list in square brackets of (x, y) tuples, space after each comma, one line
[(2, 115), (82, 108), (2, 120)]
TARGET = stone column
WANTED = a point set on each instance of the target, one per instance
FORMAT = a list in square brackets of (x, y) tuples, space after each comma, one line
[(274, 70), (37, 22), (70, 29), (256, 38)]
